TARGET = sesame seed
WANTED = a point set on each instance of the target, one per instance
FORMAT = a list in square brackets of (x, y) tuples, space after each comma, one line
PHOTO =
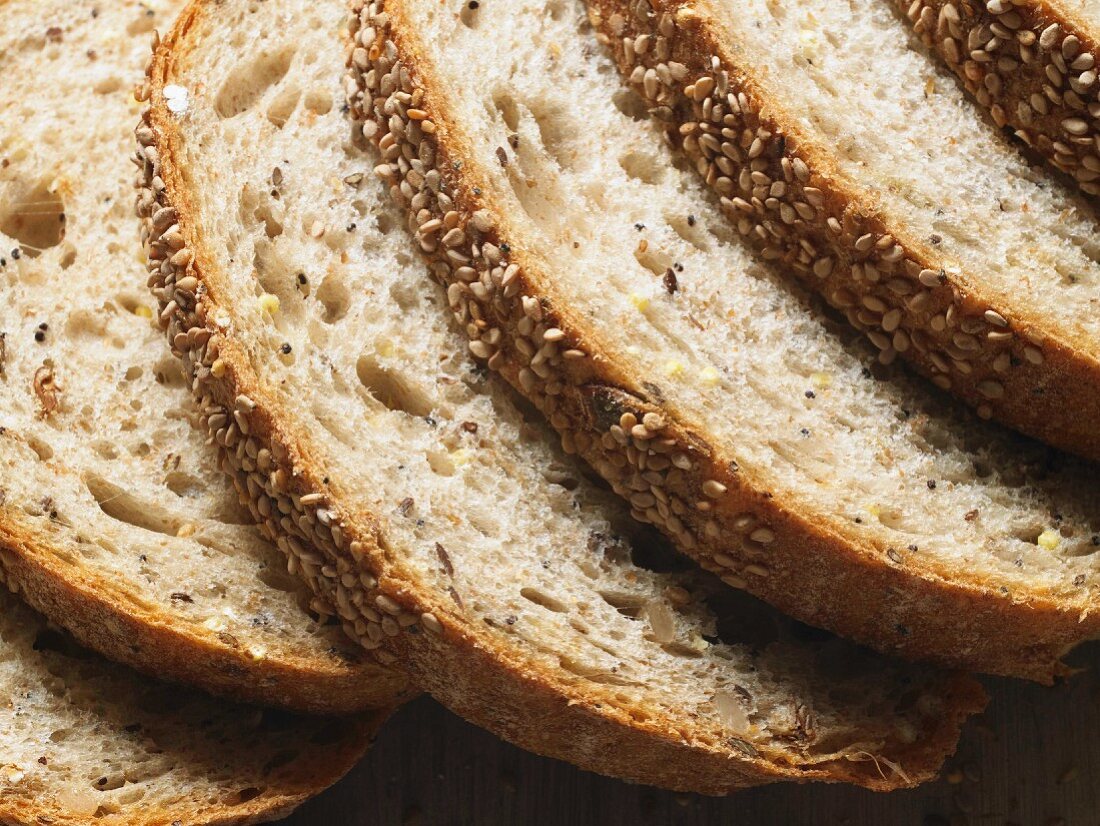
[(713, 489), (991, 389)]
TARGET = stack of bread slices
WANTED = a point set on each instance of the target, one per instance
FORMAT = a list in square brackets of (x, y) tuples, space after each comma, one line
[(515, 350)]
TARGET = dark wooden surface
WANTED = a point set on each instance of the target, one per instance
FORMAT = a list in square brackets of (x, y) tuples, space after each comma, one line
[(1033, 760)]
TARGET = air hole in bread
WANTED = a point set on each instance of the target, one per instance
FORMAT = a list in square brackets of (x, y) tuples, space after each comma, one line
[(169, 372), (390, 388), (655, 260), (335, 296), (245, 795), (265, 215), (280, 110), (688, 228), (145, 22), (631, 104), (108, 85), (248, 82), (642, 166), (279, 580), (629, 605), (440, 462), (319, 101), (471, 12), (507, 107), (534, 191), (556, 131), (336, 426), (41, 448), (545, 600), (123, 506), (405, 296), (384, 220), (85, 324), (592, 672), (105, 449), (35, 218)]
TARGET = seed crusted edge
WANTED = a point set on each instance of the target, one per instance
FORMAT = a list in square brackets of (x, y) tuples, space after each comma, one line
[(1032, 68), (783, 194)]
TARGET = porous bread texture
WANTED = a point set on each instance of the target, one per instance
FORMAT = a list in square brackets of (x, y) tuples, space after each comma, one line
[(1085, 14), (83, 741), (1032, 65), (599, 277), (115, 519), (859, 164), (451, 538)]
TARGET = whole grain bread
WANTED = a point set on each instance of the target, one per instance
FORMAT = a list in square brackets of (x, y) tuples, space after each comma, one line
[(865, 170), (589, 266), (87, 742), (115, 520), (1032, 64), (449, 535)]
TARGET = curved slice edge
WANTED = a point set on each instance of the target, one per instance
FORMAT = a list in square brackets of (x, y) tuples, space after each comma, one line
[(152, 644), (327, 748), (1039, 81), (1050, 388)]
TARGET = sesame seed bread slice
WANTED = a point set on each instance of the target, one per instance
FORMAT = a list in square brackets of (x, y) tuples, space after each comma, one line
[(1032, 64), (844, 153), (587, 265), (83, 741), (450, 536), (115, 520)]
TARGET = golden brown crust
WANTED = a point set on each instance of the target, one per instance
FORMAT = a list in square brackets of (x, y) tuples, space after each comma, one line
[(148, 641), (337, 549), (810, 569), (289, 788), (1003, 360), (1032, 64)]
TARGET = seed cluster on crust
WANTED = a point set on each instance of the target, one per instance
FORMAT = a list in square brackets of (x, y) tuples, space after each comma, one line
[(1035, 74), (302, 523), (905, 303), (670, 480)]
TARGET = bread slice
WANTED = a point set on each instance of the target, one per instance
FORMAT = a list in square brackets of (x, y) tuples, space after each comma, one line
[(87, 742), (1032, 64), (864, 169), (450, 536), (589, 268), (115, 520)]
